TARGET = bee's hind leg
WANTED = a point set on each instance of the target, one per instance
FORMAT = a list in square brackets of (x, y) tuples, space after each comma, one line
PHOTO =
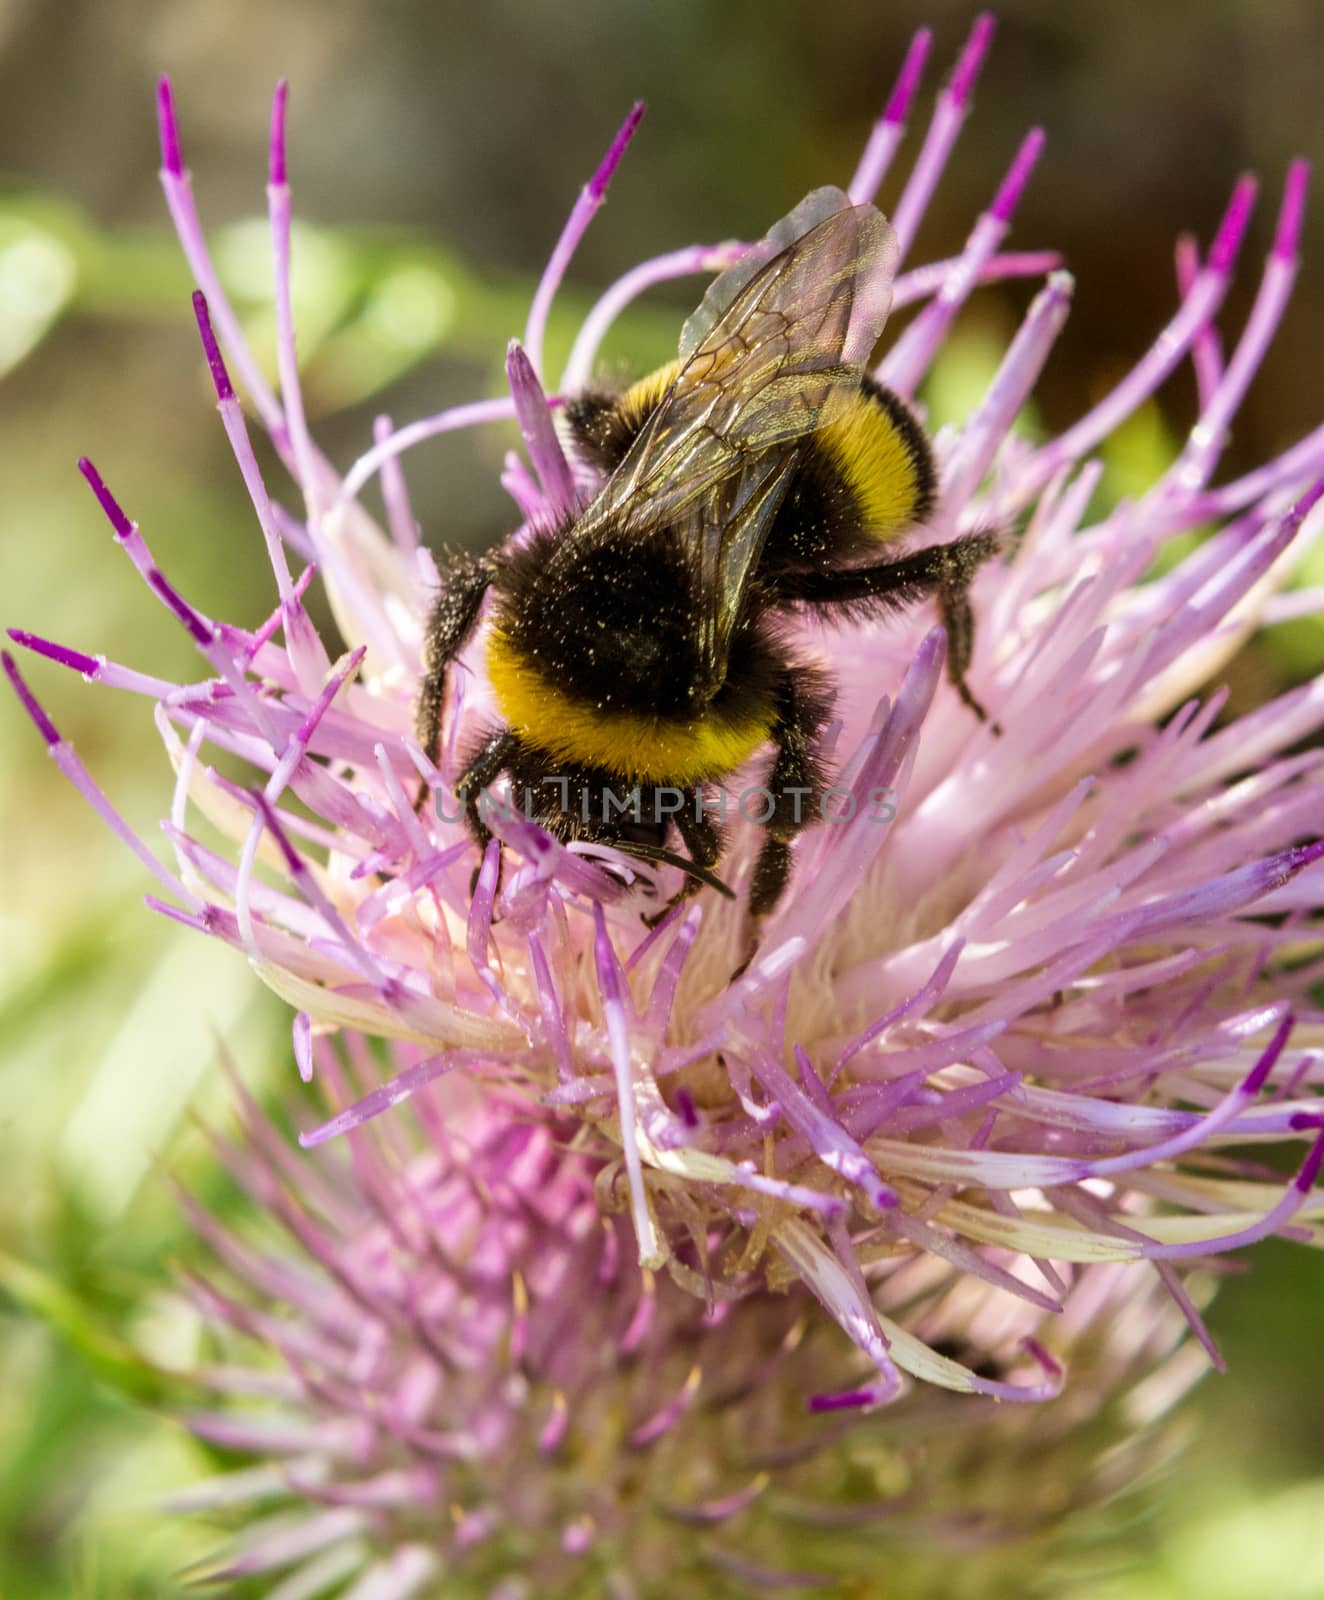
[(942, 570), (794, 785), (958, 618)]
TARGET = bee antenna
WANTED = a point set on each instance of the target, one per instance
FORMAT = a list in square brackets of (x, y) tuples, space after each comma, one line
[(692, 869)]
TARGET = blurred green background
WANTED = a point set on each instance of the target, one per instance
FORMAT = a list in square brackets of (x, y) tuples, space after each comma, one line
[(435, 150)]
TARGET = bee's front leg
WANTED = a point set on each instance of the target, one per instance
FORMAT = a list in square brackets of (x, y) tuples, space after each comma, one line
[(465, 579), (703, 839), (489, 761)]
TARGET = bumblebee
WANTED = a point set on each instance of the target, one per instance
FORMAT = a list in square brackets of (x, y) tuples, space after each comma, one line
[(640, 651)]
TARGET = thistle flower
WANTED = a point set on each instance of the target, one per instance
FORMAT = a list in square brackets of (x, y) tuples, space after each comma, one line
[(988, 1061), (481, 1392)]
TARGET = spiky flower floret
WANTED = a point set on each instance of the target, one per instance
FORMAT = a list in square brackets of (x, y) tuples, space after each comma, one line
[(478, 1391), (1013, 1031)]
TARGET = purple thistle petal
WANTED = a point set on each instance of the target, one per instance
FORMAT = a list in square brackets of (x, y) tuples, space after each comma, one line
[(1287, 236), (971, 61), (452, 419), (662, 999), (399, 516), (662, 269), (909, 358), (887, 131), (597, 185), (1198, 460), (77, 774), (956, 1102), (303, 1045), (535, 422), (826, 1205), (276, 152), (1197, 311), (855, 843), (585, 209), (203, 632), (1090, 1211), (921, 282), (124, 529), (314, 894), (520, 484), (1207, 347), (917, 1004), (663, 1421), (480, 918), (968, 1260), (1010, 389), (171, 161), (45, 727), (611, 989), (844, 1300), (553, 1018), (67, 658), (846, 1400), (813, 1085), (287, 361), (95, 669), (1222, 1114), (215, 361), (828, 1139), (1299, 1191), (390, 1093), (1008, 196), (912, 69), (948, 117), (296, 749), (183, 213), (1226, 247)]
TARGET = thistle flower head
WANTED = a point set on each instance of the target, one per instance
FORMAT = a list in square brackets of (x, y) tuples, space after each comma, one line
[(480, 1392), (994, 1047)]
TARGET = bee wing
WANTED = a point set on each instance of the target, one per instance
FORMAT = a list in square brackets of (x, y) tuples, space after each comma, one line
[(774, 351), (724, 536), (785, 347), (817, 206)]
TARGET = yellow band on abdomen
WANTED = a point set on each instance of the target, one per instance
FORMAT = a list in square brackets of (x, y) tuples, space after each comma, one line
[(638, 747), (878, 461)]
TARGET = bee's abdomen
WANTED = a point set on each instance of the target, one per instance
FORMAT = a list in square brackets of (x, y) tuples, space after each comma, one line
[(594, 660), (863, 479), (571, 728)]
